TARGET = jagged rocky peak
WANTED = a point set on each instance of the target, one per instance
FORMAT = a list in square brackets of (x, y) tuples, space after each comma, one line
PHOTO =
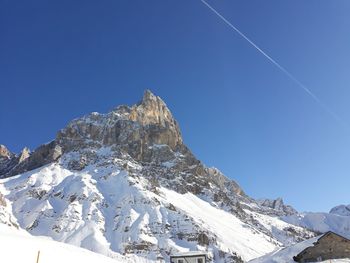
[(278, 206), (146, 131), (224, 182), (4, 152), (134, 129), (25, 153), (26, 161), (7, 160), (153, 110)]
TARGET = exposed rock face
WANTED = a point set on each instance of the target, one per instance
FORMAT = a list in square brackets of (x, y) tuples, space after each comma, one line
[(278, 205), (152, 111), (27, 161), (8, 160), (24, 155), (4, 152), (146, 131), (134, 130), (223, 181)]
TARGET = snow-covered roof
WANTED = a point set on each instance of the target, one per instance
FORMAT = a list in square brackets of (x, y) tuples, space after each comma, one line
[(286, 255), (190, 253)]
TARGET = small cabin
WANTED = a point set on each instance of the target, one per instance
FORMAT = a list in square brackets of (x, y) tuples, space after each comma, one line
[(189, 257), (327, 247)]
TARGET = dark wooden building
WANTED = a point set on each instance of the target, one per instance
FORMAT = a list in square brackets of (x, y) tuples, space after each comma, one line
[(328, 246)]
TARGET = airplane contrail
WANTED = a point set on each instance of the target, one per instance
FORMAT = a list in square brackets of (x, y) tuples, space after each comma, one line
[(274, 62)]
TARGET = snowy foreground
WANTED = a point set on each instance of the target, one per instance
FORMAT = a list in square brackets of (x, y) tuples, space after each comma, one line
[(102, 208), (286, 255), (56, 252), (19, 246)]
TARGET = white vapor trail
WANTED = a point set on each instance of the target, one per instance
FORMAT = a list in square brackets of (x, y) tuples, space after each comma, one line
[(274, 62)]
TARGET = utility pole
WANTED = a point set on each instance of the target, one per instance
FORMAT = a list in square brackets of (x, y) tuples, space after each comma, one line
[(37, 257)]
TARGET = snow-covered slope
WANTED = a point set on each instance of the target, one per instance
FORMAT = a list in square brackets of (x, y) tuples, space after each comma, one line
[(342, 210), (111, 211), (321, 222), (19, 246), (6, 216), (285, 255), (230, 232)]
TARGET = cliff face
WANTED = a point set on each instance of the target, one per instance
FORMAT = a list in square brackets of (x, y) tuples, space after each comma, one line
[(278, 206), (133, 130), (4, 152), (26, 160)]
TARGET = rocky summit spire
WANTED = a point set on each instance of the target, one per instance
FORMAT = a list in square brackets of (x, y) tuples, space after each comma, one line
[(146, 131), (153, 111), (132, 129), (4, 152), (25, 153)]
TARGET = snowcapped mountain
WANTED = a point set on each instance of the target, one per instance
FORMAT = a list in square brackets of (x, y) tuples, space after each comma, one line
[(342, 210), (124, 183), (321, 222)]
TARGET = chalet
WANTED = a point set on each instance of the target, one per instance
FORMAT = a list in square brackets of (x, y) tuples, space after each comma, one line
[(189, 257), (329, 246)]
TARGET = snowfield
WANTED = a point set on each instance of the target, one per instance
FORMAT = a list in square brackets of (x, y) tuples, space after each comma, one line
[(100, 210), (321, 222), (18, 246), (230, 231), (108, 210)]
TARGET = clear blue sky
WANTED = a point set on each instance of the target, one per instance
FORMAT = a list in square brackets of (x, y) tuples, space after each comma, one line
[(62, 59)]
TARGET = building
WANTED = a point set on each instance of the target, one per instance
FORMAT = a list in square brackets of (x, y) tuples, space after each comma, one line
[(328, 246), (189, 257)]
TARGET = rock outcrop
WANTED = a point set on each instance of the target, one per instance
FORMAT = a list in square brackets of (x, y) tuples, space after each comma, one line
[(8, 160), (134, 130), (278, 206), (24, 155), (4, 152), (146, 131), (26, 161)]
